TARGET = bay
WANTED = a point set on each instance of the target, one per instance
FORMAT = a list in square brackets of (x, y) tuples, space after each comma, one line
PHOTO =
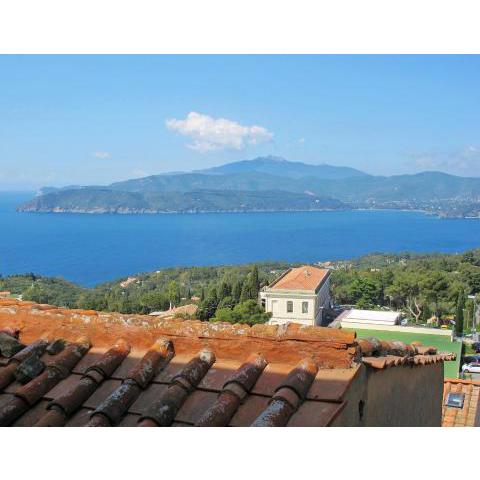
[(90, 249)]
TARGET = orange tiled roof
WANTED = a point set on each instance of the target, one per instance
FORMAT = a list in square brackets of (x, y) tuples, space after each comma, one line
[(469, 414), (301, 278), (80, 367)]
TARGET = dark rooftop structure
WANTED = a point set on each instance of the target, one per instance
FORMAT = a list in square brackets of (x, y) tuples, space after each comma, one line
[(62, 367)]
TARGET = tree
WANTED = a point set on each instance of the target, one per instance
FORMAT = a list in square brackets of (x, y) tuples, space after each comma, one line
[(434, 287), (459, 313), (365, 291), (237, 290), (207, 307), (255, 279), (405, 293), (469, 312), (154, 300), (248, 312), (173, 293), (224, 290), (471, 275), (251, 286), (227, 302)]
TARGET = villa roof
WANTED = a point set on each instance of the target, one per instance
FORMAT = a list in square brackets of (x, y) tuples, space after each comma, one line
[(62, 367), (301, 278), (468, 415)]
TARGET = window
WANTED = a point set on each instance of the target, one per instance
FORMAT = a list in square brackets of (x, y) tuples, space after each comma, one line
[(289, 306), (455, 400), (304, 307)]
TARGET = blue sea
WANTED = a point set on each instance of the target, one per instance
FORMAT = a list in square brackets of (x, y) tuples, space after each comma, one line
[(90, 249)]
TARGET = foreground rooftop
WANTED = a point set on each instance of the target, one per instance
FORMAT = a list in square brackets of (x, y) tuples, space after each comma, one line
[(461, 403), (62, 367)]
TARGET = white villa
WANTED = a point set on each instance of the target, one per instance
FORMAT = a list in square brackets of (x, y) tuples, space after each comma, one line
[(299, 296)]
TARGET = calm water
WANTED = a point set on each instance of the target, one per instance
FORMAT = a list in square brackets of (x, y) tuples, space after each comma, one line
[(90, 249)]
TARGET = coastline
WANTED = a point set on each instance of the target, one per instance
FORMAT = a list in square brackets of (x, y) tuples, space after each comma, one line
[(102, 211)]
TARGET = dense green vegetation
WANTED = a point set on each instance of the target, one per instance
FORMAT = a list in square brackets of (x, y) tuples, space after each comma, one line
[(103, 200), (429, 289), (425, 287), (55, 291), (216, 289)]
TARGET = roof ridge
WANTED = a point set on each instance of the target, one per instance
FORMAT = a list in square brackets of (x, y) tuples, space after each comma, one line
[(336, 347), (463, 381)]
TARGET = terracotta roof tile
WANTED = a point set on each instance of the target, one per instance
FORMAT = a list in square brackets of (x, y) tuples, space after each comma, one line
[(301, 278), (195, 406), (111, 410), (218, 374), (28, 395), (236, 387), (129, 421), (148, 371), (147, 397), (9, 345), (174, 367), (32, 415), (331, 384), (80, 418), (315, 414), (101, 393), (63, 386), (5, 398), (270, 378), (163, 411), (288, 396), (253, 406), (130, 361), (89, 359), (469, 414)]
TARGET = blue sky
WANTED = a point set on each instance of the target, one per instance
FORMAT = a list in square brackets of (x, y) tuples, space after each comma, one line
[(97, 119)]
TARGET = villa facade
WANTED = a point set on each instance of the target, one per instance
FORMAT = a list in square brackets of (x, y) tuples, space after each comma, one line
[(300, 295)]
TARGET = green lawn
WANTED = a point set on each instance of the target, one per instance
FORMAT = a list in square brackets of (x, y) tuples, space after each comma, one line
[(443, 344)]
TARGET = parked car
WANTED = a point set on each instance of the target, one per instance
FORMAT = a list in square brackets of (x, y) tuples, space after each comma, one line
[(473, 367)]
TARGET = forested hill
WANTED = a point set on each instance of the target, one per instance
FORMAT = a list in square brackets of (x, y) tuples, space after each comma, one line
[(422, 286), (102, 200), (268, 184)]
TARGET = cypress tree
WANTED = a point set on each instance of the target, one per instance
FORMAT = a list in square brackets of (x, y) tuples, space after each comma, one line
[(255, 280), (251, 286), (459, 313), (237, 290), (224, 290)]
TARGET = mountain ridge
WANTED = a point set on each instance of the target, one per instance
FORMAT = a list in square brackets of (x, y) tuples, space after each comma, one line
[(243, 186)]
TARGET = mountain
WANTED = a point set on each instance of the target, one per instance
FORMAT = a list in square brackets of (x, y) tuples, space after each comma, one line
[(269, 183), (280, 167)]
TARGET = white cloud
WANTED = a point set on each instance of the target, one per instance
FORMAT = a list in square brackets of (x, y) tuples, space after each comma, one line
[(101, 154), (301, 141), (463, 162), (210, 133)]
